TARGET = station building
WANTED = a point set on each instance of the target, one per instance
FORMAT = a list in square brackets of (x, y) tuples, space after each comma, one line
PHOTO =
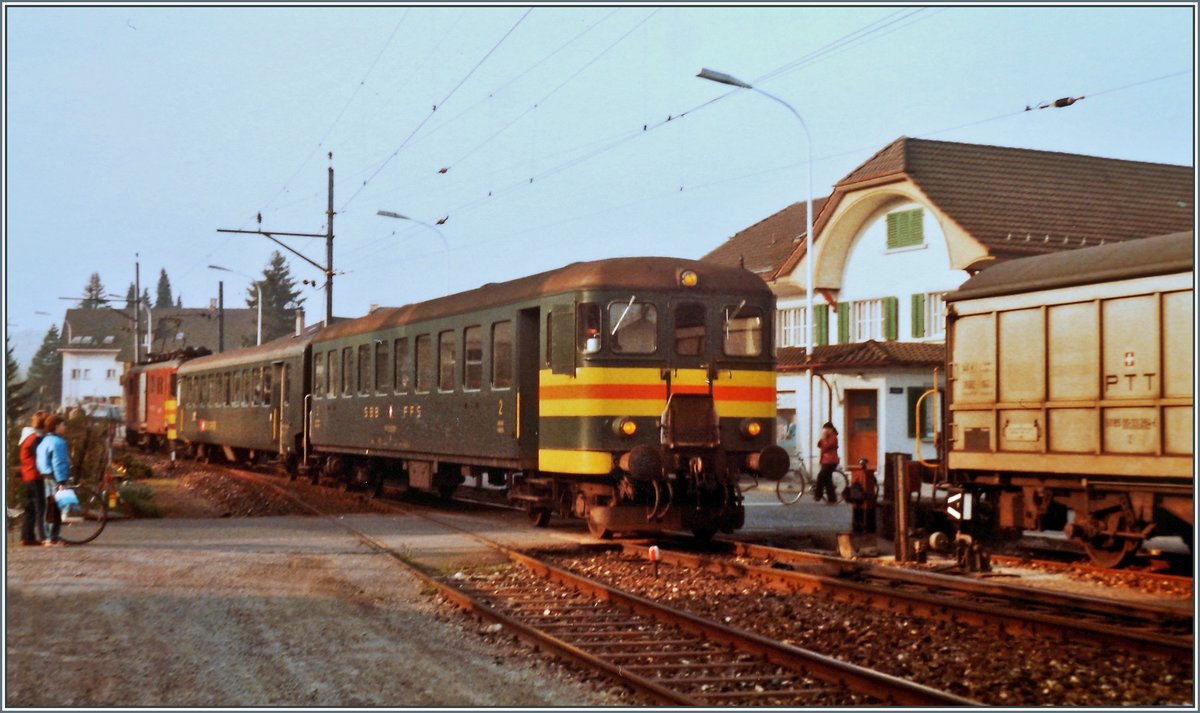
[(896, 234)]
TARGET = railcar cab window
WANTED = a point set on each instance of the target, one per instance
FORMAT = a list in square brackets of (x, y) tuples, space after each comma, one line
[(502, 355), (447, 358), (472, 358), (383, 366), (424, 363), (634, 327), (347, 371), (403, 365), (587, 318), (743, 330), (689, 329), (364, 368)]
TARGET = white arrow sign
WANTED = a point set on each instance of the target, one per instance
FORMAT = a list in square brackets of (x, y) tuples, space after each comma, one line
[(958, 506)]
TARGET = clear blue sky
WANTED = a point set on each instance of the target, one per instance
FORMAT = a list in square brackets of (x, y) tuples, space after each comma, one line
[(145, 129)]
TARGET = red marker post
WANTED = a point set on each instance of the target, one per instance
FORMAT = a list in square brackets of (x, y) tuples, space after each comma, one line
[(654, 557)]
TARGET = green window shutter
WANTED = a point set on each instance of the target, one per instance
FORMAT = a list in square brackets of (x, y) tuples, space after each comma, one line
[(843, 312), (918, 316), (905, 228), (890, 328), (821, 324)]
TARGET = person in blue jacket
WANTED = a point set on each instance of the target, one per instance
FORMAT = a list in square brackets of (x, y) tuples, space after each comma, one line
[(53, 463)]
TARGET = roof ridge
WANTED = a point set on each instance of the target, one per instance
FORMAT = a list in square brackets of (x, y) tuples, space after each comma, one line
[(1025, 150)]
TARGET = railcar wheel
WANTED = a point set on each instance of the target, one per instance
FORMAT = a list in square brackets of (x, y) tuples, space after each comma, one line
[(703, 534), (540, 517), (291, 465), (446, 492)]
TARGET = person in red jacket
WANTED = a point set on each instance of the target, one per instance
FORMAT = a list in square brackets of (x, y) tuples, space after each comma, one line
[(828, 445), (33, 527)]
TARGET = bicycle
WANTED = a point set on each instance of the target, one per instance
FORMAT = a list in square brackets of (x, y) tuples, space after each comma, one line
[(792, 486)]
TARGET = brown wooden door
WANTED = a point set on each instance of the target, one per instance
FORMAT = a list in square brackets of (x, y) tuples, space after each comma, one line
[(861, 439)]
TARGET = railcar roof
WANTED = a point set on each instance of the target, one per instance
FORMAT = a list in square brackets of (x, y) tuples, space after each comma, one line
[(631, 273), (276, 349), (1145, 257)]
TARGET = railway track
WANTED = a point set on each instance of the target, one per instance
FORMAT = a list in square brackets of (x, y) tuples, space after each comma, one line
[(670, 655), (1013, 610)]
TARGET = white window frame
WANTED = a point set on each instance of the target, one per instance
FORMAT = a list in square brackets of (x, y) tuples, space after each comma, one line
[(866, 320), (935, 315), (792, 327)]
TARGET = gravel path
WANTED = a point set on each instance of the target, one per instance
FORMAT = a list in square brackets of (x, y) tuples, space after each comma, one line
[(283, 611)]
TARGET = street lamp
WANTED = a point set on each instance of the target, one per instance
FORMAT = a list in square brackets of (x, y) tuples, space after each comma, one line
[(257, 294), (446, 245), (722, 78)]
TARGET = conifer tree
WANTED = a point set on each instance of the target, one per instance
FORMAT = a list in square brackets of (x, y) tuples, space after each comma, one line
[(280, 298), (44, 388), (164, 291), (93, 293)]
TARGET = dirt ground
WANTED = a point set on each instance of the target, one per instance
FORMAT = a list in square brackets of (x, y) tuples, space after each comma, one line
[(205, 607)]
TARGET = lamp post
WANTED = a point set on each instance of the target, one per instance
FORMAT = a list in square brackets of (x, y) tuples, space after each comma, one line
[(722, 78), (257, 294), (446, 245)]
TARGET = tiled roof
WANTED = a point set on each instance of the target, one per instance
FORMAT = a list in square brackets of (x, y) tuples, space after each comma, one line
[(766, 245), (861, 355), (105, 328), (1021, 201)]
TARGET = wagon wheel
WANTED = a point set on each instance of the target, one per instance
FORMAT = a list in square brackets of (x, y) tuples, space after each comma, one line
[(291, 465), (539, 516), (1111, 551), (703, 534)]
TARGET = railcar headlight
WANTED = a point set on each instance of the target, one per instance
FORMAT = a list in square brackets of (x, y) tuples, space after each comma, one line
[(751, 429), (689, 278), (624, 427)]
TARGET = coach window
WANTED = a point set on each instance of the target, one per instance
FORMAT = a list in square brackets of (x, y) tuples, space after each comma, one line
[(473, 358), (260, 387), (689, 329), (403, 365), (331, 383), (743, 330), (447, 357), (364, 368), (319, 375), (266, 392), (424, 364), (247, 386), (634, 327), (587, 318), (383, 366), (225, 388), (502, 355), (347, 371)]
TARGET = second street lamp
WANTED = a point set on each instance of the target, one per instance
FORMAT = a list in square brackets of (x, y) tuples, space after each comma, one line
[(446, 245), (810, 250)]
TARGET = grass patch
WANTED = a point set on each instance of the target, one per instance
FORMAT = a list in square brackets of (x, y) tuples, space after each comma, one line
[(139, 499)]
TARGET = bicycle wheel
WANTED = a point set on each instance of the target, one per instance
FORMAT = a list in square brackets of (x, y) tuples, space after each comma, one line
[(841, 484), (790, 488), (85, 524)]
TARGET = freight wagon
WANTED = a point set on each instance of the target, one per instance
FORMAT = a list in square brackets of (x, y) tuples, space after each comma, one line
[(1070, 394)]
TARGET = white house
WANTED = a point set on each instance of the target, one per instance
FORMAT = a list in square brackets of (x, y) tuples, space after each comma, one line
[(897, 233)]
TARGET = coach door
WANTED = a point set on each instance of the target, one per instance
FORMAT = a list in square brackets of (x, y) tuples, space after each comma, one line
[(279, 387), (527, 375)]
